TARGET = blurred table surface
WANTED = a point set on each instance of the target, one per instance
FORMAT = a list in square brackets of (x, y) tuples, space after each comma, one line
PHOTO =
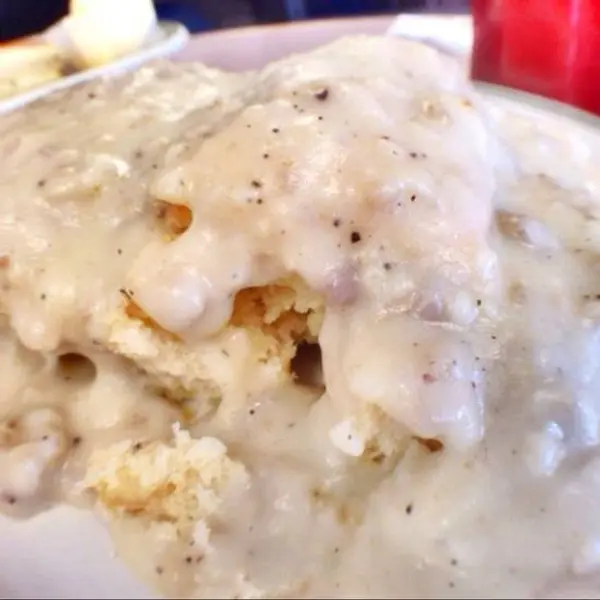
[(200, 15)]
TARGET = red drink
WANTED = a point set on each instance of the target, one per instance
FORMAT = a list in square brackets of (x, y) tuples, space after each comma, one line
[(548, 47)]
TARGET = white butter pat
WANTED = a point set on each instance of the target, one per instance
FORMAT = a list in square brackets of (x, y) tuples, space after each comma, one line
[(102, 31)]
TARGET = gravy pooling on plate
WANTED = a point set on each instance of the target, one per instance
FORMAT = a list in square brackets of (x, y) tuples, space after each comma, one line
[(325, 330)]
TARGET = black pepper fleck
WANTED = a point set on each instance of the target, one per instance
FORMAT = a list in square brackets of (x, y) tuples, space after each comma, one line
[(336, 222), (322, 95), (479, 303), (275, 130), (41, 183), (251, 411), (259, 201), (266, 155), (320, 118), (413, 155), (136, 447), (76, 440), (139, 154), (159, 570), (119, 251), (409, 509), (255, 183), (188, 559), (454, 562), (355, 237), (91, 95), (385, 137), (413, 197), (387, 266), (43, 296), (9, 499)]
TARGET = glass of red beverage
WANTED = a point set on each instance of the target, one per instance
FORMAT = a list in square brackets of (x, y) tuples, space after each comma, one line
[(547, 47)]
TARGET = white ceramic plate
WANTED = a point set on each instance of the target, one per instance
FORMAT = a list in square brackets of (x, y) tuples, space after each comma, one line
[(169, 38), (64, 553)]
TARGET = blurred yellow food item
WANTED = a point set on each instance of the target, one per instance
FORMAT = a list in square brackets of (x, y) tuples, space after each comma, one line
[(24, 66)]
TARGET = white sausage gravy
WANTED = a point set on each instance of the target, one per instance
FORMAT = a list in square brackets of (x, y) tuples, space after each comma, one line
[(331, 329)]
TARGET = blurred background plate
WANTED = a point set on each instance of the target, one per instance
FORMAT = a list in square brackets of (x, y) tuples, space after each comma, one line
[(169, 38)]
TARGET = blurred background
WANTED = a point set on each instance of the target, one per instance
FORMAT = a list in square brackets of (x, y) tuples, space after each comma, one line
[(24, 17)]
